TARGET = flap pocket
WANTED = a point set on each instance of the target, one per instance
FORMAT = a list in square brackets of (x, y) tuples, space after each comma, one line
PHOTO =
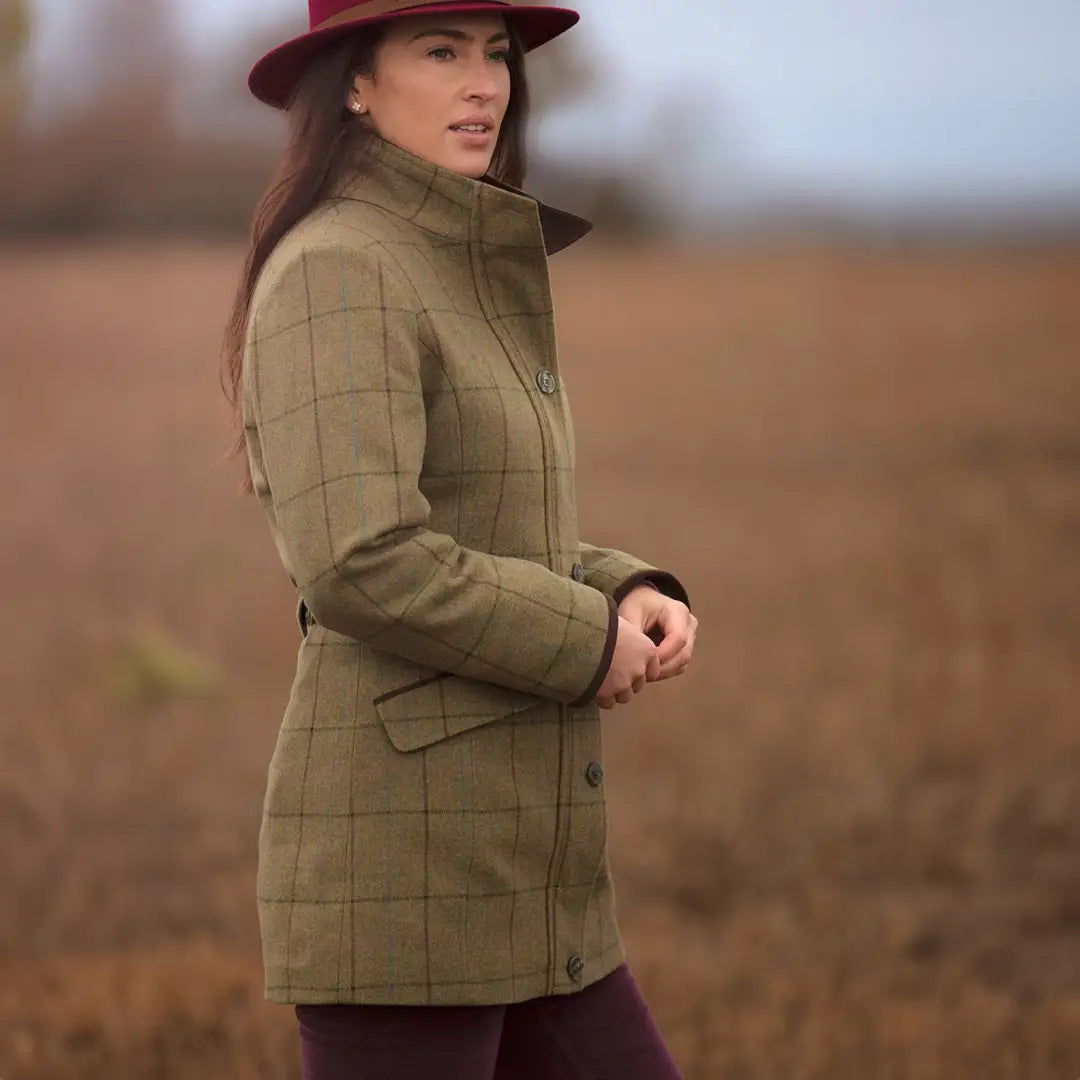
[(431, 705)]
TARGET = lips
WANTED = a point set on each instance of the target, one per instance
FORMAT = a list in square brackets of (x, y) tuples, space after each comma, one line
[(478, 123)]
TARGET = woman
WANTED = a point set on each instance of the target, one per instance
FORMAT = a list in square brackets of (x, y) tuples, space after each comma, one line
[(433, 886)]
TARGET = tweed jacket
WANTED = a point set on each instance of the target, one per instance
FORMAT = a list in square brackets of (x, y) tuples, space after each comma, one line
[(434, 827)]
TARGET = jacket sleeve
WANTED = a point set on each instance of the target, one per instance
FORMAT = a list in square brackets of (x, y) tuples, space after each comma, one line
[(334, 358), (616, 572)]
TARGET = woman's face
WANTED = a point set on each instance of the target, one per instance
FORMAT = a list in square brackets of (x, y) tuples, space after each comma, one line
[(433, 74)]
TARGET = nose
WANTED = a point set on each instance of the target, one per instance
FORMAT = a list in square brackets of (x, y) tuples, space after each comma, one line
[(481, 84)]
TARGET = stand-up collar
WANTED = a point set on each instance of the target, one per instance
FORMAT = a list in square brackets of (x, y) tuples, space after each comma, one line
[(450, 204)]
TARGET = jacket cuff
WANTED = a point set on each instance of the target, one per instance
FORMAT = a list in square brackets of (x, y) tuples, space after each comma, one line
[(605, 659), (661, 580)]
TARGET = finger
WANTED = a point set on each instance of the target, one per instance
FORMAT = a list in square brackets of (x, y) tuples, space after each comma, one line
[(638, 684), (682, 655), (679, 660), (676, 634), (624, 696), (659, 670)]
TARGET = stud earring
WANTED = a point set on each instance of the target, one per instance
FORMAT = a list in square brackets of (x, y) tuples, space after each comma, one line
[(357, 107)]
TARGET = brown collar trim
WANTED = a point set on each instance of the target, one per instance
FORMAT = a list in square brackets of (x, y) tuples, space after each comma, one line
[(414, 179), (560, 227)]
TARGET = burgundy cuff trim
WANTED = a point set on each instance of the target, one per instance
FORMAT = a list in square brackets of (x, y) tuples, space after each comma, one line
[(666, 582), (605, 659)]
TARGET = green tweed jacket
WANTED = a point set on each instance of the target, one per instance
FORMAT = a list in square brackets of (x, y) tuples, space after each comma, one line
[(434, 826)]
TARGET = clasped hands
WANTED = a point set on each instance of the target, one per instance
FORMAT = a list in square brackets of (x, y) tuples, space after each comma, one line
[(637, 660)]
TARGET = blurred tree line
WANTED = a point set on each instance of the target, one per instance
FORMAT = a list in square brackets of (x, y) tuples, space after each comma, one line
[(150, 138)]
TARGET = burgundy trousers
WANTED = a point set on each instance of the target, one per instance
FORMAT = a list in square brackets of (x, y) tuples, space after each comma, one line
[(604, 1032)]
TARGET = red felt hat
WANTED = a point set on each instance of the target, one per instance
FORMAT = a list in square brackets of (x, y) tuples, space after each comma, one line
[(274, 77)]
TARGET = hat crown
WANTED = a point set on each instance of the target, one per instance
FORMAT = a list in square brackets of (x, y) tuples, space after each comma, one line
[(324, 13), (321, 10)]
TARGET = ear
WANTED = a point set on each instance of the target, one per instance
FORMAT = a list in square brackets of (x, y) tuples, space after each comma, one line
[(356, 100), (361, 84)]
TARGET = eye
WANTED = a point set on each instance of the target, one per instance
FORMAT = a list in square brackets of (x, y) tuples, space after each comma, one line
[(442, 49), (500, 56)]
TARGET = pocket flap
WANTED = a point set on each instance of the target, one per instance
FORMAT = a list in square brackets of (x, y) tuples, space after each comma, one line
[(436, 705)]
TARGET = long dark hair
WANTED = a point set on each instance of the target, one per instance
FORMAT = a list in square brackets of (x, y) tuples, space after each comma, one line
[(321, 132)]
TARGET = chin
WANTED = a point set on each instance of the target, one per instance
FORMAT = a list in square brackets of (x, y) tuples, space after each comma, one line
[(471, 166)]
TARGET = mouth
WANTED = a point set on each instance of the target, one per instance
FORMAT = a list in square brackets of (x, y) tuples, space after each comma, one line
[(474, 136), (475, 131)]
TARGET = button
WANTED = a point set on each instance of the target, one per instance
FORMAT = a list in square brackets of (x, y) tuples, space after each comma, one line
[(578, 572), (594, 773), (574, 967), (546, 381)]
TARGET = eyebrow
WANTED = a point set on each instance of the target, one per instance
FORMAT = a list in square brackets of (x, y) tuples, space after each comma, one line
[(458, 35)]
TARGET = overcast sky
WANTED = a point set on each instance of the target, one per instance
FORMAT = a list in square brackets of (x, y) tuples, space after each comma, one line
[(861, 98)]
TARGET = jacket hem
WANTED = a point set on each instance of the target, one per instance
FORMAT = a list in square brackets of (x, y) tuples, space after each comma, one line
[(502, 991)]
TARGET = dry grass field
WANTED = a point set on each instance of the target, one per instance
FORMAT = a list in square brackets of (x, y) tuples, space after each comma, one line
[(846, 844)]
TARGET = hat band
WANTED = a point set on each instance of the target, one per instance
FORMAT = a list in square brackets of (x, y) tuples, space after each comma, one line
[(383, 7)]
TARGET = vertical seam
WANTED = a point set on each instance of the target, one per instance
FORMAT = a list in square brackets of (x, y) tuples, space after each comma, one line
[(596, 873), (550, 877), (347, 873), (427, 879), (513, 854), (471, 812)]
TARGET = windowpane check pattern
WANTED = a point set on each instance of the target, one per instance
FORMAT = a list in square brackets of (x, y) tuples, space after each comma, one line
[(429, 831)]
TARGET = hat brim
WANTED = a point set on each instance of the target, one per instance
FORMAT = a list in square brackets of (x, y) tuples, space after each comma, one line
[(274, 76)]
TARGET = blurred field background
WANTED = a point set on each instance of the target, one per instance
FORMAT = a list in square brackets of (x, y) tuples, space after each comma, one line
[(846, 844)]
